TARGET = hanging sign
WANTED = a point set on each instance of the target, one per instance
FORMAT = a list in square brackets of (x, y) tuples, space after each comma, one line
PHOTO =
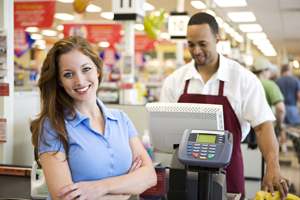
[(34, 13), (2, 130), (22, 42), (177, 25), (95, 33)]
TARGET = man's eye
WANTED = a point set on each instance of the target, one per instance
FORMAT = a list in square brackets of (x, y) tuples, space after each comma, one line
[(67, 75), (86, 69)]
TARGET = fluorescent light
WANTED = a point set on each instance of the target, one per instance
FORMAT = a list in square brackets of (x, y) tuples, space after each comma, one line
[(219, 20), (49, 33), (107, 15), (256, 36), (66, 1), (42, 46), (165, 35), (225, 26), (32, 29), (61, 36), (104, 44), (36, 36), (250, 28), (198, 4), (60, 27), (241, 16), (264, 41), (93, 8), (270, 53), (239, 38), (139, 27), (265, 46), (229, 30), (63, 16), (211, 12), (40, 42), (296, 64), (148, 6), (230, 3)]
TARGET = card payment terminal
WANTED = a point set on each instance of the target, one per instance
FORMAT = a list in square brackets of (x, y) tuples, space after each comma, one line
[(205, 148)]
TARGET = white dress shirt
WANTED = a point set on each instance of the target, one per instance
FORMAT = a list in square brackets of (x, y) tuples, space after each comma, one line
[(242, 88)]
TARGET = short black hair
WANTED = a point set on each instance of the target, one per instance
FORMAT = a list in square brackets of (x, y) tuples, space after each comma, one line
[(204, 18), (285, 67)]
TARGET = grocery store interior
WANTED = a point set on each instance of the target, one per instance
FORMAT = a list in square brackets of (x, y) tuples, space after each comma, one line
[(249, 30)]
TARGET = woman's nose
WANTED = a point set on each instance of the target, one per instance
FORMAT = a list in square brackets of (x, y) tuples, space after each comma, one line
[(79, 80)]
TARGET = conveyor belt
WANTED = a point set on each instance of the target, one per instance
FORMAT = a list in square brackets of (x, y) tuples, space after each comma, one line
[(294, 134)]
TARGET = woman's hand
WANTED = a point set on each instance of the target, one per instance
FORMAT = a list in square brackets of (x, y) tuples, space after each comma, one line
[(135, 165), (83, 190)]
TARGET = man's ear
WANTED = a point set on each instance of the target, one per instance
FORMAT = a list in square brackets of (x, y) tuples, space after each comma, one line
[(218, 38)]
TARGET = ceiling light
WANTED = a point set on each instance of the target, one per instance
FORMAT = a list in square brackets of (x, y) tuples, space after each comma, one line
[(165, 35), (104, 44), (148, 6), (40, 42), (60, 27), (229, 30), (66, 1), (219, 20), (61, 36), (225, 26), (265, 46), (239, 38), (93, 8), (36, 36), (122, 32), (42, 46), (139, 27), (264, 41), (273, 53), (198, 4), (241, 16), (63, 16), (107, 15), (230, 3), (256, 36), (32, 29), (296, 64), (49, 33), (212, 13), (250, 28)]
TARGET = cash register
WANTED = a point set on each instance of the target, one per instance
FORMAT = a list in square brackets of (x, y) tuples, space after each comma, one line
[(194, 134)]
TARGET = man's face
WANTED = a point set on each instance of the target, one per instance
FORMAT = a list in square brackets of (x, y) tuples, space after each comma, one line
[(202, 44)]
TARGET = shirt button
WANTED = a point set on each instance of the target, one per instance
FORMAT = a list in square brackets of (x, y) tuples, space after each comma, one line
[(108, 146), (111, 166), (111, 155)]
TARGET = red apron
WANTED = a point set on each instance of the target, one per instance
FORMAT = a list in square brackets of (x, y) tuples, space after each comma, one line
[(235, 170)]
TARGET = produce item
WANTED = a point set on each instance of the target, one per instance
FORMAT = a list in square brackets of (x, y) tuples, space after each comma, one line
[(263, 195)]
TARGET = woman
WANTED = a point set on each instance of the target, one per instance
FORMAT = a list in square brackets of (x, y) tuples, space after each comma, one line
[(86, 149)]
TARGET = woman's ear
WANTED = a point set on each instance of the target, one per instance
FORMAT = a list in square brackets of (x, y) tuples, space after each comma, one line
[(60, 83)]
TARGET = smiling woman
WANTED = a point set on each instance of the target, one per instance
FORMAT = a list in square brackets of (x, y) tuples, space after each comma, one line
[(87, 151)]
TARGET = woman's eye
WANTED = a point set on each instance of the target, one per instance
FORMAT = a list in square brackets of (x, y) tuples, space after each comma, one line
[(67, 75), (86, 69)]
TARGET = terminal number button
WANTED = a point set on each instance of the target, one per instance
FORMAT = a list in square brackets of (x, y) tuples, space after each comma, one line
[(211, 155), (202, 157)]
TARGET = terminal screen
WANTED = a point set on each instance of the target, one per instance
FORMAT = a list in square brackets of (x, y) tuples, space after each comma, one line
[(203, 138)]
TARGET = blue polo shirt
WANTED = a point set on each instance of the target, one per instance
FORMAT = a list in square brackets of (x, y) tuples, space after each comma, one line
[(93, 156)]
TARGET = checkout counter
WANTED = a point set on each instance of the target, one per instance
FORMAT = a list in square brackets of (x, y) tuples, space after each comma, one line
[(19, 187)]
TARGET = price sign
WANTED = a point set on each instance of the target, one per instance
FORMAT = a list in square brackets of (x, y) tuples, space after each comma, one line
[(177, 26)]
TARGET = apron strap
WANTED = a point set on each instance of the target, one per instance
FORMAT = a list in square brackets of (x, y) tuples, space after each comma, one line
[(221, 88), (186, 86)]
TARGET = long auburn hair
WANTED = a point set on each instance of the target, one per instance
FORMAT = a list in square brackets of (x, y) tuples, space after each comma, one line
[(56, 104)]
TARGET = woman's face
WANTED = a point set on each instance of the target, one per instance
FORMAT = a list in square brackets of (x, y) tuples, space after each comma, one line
[(78, 76)]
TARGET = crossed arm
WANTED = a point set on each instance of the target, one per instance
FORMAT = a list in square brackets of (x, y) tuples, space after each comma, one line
[(60, 185)]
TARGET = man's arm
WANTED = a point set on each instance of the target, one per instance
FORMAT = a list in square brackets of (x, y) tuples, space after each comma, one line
[(280, 114), (268, 146)]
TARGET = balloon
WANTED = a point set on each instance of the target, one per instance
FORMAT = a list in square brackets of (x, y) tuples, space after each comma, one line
[(81, 5)]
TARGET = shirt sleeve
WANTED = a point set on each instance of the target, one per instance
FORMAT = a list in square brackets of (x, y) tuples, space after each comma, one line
[(167, 94), (131, 129), (275, 94), (48, 141)]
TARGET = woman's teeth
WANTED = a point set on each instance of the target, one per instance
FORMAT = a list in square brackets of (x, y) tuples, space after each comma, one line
[(83, 89)]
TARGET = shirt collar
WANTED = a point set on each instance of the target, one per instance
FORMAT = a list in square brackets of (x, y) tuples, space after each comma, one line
[(80, 117), (222, 73)]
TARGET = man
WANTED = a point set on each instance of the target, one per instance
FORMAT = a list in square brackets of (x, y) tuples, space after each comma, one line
[(214, 79), (290, 88), (262, 69)]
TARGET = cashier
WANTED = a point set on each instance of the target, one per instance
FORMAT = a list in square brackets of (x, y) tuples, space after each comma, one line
[(213, 79)]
